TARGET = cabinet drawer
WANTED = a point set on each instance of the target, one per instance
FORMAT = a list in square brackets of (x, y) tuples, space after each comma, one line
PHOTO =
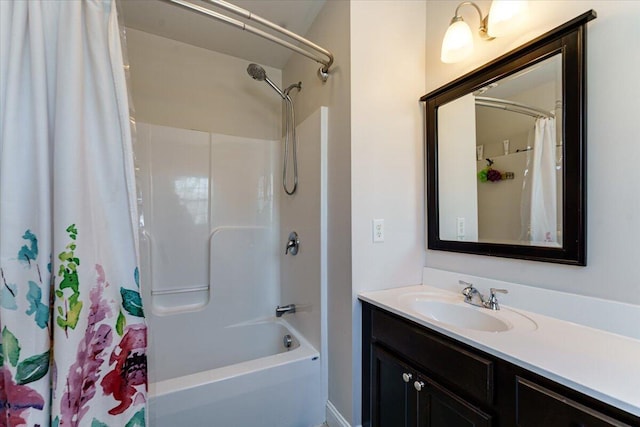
[(468, 373), (539, 406)]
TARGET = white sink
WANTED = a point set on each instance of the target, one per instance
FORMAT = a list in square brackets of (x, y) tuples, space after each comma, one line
[(452, 311), (564, 349), (466, 317)]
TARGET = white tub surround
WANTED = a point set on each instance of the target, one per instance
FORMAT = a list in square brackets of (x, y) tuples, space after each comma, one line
[(587, 344), (212, 263), (272, 390)]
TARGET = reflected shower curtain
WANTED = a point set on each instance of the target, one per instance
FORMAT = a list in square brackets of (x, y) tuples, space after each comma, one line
[(544, 222), (73, 336)]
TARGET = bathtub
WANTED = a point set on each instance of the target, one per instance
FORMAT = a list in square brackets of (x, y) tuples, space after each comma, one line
[(248, 379)]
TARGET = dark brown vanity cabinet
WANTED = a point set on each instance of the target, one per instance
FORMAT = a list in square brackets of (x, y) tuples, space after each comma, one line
[(537, 405), (405, 397), (395, 400), (438, 406), (413, 376)]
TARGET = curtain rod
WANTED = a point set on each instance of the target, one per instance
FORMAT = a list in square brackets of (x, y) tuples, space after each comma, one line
[(323, 72), (516, 107)]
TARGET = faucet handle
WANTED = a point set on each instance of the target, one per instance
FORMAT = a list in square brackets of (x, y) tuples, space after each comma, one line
[(293, 244), (467, 290), (493, 300)]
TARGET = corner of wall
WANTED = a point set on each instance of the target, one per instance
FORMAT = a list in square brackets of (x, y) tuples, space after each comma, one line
[(335, 418)]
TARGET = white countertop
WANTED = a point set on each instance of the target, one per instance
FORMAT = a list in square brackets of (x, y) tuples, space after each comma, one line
[(598, 363)]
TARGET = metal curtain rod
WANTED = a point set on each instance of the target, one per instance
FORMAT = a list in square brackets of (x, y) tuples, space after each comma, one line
[(516, 107), (323, 72)]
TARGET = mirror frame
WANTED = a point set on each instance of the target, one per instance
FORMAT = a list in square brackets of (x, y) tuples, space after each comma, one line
[(568, 39)]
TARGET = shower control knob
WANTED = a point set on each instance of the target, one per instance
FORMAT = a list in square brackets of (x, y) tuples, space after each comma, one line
[(419, 385), (293, 244), (406, 377)]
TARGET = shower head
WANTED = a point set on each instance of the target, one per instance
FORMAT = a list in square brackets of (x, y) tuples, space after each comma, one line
[(257, 73)]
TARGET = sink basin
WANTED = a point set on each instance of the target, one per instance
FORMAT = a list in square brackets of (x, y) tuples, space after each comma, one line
[(459, 315), (449, 310)]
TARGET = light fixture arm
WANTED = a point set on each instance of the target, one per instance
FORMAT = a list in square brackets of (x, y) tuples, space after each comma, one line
[(483, 20)]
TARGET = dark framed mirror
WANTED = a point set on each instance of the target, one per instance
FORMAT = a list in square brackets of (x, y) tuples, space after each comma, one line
[(506, 153)]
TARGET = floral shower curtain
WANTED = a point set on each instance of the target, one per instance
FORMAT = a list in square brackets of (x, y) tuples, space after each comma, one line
[(73, 336)]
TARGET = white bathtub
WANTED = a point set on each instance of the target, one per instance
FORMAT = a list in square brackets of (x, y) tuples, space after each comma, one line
[(250, 379)]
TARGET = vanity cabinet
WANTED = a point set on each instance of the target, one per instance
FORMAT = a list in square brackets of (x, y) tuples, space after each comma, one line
[(414, 376), (395, 402), (558, 409), (405, 397)]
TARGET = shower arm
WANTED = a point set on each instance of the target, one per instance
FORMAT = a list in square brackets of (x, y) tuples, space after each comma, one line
[(323, 72)]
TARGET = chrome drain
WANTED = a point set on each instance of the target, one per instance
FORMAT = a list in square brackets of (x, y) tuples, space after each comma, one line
[(287, 341)]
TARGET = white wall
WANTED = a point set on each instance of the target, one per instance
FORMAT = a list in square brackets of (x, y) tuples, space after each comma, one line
[(613, 203), (499, 203), (187, 87), (457, 188), (331, 30), (388, 68)]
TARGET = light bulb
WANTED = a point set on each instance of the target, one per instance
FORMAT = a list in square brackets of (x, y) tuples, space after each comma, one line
[(457, 43), (506, 17)]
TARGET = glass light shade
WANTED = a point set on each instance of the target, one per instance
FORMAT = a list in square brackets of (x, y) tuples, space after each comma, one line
[(457, 43), (506, 17)]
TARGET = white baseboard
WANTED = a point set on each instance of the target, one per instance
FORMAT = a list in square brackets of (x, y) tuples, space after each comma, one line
[(335, 418)]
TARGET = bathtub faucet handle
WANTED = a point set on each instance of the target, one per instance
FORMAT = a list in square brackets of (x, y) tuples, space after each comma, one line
[(282, 309)]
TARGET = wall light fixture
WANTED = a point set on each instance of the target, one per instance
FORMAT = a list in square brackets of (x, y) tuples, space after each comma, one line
[(503, 17)]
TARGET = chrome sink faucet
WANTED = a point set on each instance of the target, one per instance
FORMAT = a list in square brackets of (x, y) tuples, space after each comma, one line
[(471, 294), (474, 297)]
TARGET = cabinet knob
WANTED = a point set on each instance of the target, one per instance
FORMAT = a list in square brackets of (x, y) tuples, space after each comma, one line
[(419, 385), (406, 377)]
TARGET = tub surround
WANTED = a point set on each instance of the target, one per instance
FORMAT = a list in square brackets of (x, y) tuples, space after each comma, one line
[(587, 344), (270, 390), (204, 224), (301, 350)]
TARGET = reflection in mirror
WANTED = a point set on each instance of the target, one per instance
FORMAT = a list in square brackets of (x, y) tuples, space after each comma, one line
[(500, 160)]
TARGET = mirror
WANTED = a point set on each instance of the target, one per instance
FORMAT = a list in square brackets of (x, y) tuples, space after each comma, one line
[(506, 154), (492, 186)]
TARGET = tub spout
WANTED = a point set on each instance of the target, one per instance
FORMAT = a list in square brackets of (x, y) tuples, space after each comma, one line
[(282, 309)]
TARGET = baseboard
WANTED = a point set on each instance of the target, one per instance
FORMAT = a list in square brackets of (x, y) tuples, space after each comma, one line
[(335, 418)]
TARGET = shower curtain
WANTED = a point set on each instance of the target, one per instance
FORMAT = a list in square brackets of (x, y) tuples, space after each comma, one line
[(73, 335), (543, 184)]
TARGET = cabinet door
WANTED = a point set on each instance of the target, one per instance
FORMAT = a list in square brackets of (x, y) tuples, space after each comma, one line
[(537, 406), (393, 395), (438, 407)]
